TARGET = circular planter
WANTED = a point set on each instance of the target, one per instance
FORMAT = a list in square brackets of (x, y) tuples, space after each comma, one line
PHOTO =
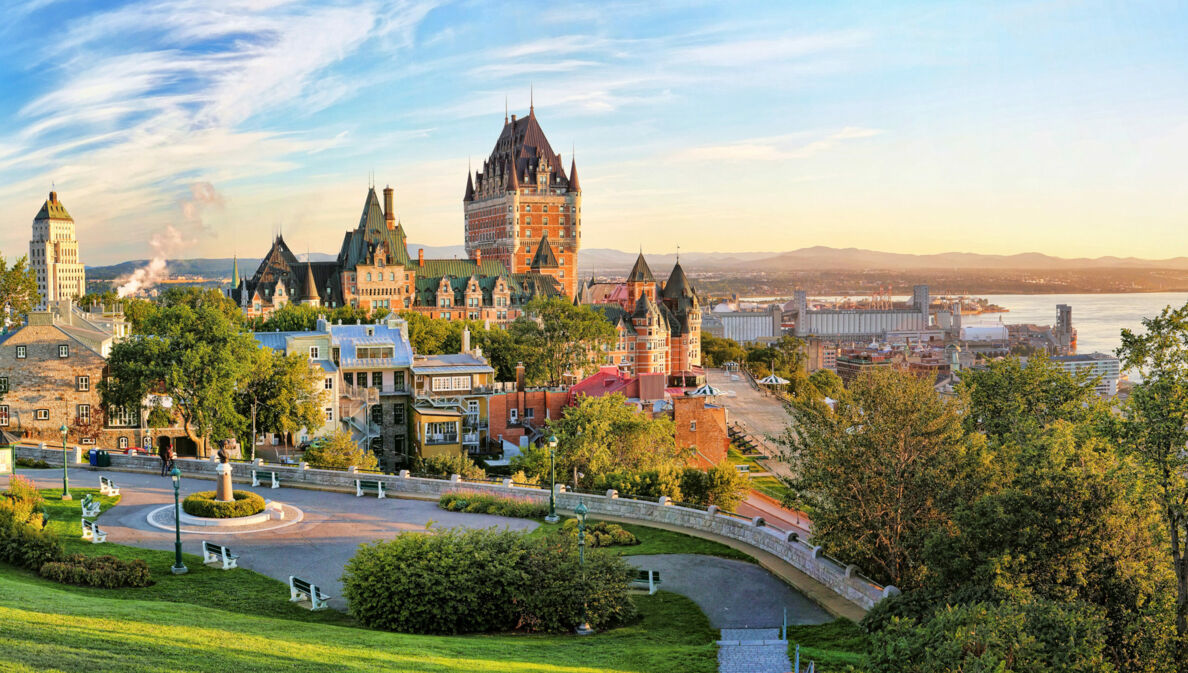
[(202, 505)]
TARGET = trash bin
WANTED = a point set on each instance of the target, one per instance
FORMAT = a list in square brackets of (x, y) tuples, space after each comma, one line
[(93, 457), (103, 459)]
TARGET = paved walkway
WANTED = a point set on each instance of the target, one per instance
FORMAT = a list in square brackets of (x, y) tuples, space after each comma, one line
[(732, 594), (752, 651), (762, 415)]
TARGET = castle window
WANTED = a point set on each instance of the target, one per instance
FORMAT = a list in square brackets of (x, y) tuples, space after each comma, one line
[(20, 352), (63, 351), (368, 276), (84, 413)]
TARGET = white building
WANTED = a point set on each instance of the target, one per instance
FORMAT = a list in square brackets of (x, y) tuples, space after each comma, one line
[(53, 254), (1105, 368)]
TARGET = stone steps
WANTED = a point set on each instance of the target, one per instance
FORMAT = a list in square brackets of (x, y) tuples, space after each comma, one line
[(752, 651)]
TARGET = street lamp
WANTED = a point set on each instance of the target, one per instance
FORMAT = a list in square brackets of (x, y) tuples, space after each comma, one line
[(583, 629), (552, 517), (178, 568), (65, 477)]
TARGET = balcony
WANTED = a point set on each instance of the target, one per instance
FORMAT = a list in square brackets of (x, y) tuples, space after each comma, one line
[(360, 392), (470, 438), (431, 440)]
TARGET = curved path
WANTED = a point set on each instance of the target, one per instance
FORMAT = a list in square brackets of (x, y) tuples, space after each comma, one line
[(733, 594)]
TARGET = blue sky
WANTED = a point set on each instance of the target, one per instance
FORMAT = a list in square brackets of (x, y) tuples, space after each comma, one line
[(202, 126)]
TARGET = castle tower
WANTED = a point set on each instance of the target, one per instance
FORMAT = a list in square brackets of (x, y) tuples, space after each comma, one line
[(521, 195), (53, 254), (640, 281)]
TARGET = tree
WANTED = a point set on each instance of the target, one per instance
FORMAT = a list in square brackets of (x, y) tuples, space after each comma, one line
[(1035, 636), (281, 394), (601, 435), (717, 351), (720, 485), (882, 472), (559, 338), (1154, 429), (339, 452), (196, 356), (18, 291), (90, 299)]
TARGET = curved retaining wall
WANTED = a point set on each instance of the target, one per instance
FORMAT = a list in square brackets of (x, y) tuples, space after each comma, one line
[(843, 580)]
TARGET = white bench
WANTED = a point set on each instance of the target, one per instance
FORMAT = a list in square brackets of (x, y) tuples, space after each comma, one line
[(275, 510), (90, 506), (369, 485), (92, 532), (256, 478), (300, 589), (108, 487), (215, 553)]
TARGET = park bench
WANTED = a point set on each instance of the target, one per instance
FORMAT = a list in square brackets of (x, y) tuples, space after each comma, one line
[(372, 485), (256, 474), (108, 487), (90, 506), (92, 532), (300, 589), (217, 553), (742, 468), (649, 579)]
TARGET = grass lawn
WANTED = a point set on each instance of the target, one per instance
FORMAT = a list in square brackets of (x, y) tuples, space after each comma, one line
[(660, 541), (770, 486), (214, 620), (833, 646), (62, 628)]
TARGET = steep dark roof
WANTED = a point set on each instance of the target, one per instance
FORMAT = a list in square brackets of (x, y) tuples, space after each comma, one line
[(573, 178), (53, 209), (640, 273), (679, 294), (310, 289), (544, 258), (518, 154), (372, 234), (469, 187)]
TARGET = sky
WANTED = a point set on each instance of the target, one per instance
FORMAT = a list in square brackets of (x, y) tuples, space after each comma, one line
[(201, 127)]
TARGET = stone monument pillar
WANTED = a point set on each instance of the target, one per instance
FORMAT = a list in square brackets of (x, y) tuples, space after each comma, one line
[(223, 483)]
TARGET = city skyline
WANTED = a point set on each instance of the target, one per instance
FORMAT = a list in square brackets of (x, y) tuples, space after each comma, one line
[(1014, 128)]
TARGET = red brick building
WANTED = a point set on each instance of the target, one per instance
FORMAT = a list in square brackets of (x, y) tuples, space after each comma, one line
[(522, 201), (701, 425)]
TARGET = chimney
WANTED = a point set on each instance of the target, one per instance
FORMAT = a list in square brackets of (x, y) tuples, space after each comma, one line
[(389, 216), (513, 119), (465, 339), (478, 257), (520, 376), (421, 257)]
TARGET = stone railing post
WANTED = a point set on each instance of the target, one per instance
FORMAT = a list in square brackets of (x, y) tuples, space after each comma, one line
[(304, 466), (758, 522), (560, 489), (403, 474), (507, 482), (455, 478), (259, 462), (612, 493), (353, 469), (663, 501), (850, 570), (711, 510), (818, 551)]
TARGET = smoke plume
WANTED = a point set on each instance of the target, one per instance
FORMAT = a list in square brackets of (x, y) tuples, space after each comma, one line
[(171, 240)]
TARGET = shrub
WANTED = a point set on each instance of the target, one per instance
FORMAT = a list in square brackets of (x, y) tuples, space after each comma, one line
[(107, 572), (204, 504), (649, 483), (721, 485), (338, 452), (447, 465), (35, 463), (460, 581), (482, 503), (21, 488), (23, 544), (601, 533)]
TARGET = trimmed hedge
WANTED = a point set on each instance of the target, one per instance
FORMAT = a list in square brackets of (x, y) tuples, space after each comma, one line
[(482, 503), (468, 581), (203, 504), (33, 463), (601, 533), (107, 572)]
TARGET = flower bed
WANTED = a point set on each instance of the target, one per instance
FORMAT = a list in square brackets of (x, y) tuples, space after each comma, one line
[(203, 504), (482, 503)]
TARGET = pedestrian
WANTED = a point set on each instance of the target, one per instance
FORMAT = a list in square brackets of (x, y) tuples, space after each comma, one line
[(164, 453), (172, 457)]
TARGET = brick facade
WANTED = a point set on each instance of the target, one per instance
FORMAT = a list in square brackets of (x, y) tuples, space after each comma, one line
[(701, 425)]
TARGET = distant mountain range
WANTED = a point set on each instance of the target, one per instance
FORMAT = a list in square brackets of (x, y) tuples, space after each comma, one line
[(606, 261)]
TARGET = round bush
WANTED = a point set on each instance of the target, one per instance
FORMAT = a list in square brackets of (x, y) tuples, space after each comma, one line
[(470, 581), (203, 504)]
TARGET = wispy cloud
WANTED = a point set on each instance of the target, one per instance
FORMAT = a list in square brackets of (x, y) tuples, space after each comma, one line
[(774, 148)]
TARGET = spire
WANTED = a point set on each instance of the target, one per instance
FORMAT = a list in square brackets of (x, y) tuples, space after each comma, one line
[(311, 290), (513, 183), (531, 99), (640, 273), (469, 188), (573, 178), (235, 268), (504, 109), (544, 257)]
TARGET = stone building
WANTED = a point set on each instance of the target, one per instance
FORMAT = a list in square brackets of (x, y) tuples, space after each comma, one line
[(374, 270), (658, 327), (521, 201), (53, 254)]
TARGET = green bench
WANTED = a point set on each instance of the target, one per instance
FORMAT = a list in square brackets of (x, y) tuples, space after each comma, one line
[(646, 579), (371, 486)]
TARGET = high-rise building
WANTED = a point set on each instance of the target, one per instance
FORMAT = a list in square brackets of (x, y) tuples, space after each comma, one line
[(53, 254), (523, 201)]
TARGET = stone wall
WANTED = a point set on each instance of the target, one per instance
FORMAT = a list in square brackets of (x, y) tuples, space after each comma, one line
[(843, 580)]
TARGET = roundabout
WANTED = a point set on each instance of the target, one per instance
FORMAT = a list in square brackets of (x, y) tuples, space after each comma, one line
[(274, 517)]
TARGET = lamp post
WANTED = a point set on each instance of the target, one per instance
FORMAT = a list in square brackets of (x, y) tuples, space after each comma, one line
[(178, 568), (65, 460), (583, 629), (552, 517)]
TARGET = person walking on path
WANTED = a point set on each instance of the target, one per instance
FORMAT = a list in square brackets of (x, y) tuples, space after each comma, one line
[(166, 459)]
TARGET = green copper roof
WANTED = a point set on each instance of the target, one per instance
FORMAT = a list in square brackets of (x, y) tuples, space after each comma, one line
[(53, 209)]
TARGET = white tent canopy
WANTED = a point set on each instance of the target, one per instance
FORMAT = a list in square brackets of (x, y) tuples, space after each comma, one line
[(773, 380), (705, 391)]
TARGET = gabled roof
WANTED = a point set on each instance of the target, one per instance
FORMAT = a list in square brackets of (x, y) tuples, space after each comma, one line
[(360, 245), (640, 273), (544, 258), (53, 209)]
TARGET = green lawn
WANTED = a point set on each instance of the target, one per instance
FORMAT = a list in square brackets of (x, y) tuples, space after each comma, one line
[(839, 645), (214, 620), (661, 541)]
